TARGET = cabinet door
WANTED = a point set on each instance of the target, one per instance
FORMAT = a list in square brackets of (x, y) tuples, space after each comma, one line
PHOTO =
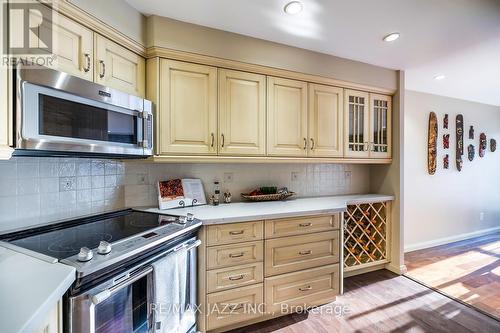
[(356, 126), (188, 108), (326, 105), (380, 126), (73, 45), (242, 113), (119, 68), (286, 117)]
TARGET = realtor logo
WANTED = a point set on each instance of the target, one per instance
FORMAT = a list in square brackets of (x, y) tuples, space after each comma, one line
[(27, 28)]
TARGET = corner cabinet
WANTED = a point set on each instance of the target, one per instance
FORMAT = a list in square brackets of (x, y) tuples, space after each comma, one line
[(367, 125), (242, 113), (286, 117), (187, 111)]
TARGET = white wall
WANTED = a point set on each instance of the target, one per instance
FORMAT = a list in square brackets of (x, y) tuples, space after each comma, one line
[(447, 206)]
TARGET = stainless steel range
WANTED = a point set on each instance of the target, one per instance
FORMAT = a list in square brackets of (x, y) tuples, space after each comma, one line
[(135, 271)]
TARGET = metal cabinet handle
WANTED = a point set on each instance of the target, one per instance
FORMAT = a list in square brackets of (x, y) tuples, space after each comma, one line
[(236, 255), (236, 307), (236, 278), (312, 144), (103, 67), (303, 225), (236, 232), (222, 143), (305, 143), (304, 253), (87, 58), (213, 140), (305, 288)]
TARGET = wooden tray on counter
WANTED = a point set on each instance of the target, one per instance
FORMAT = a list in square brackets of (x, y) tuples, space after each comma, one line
[(268, 197)]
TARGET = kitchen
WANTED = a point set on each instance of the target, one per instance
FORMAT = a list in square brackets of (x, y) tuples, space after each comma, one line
[(140, 113)]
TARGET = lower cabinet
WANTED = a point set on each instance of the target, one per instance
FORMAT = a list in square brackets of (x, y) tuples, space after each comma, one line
[(53, 322), (257, 270)]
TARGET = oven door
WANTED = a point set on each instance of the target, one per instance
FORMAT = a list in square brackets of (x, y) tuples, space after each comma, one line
[(119, 305), (127, 303), (58, 121)]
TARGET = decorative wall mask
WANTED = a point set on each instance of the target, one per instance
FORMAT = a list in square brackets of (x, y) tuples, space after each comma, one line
[(445, 121), (482, 144), (446, 141), (471, 152), (459, 123), (493, 145), (446, 161), (471, 133), (432, 144)]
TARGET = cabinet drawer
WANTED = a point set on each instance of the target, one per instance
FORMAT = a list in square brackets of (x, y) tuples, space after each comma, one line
[(301, 225), (306, 288), (234, 306), (295, 253), (235, 254), (234, 233), (232, 277)]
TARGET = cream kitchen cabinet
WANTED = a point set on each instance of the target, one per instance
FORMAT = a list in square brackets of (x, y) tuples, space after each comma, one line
[(119, 68), (73, 46), (286, 117), (242, 113), (187, 111), (326, 110), (380, 126), (368, 125), (53, 322)]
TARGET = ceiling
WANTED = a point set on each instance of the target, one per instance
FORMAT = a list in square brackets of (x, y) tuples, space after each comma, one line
[(457, 38)]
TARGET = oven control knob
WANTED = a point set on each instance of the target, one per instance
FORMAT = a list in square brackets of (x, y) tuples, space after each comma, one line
[(104, 247), (85, 254), (189, 217)]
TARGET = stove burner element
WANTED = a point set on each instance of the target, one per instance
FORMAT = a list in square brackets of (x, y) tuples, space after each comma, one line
[(85, 254)]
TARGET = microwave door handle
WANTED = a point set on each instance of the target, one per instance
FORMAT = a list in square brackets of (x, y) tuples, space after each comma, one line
[(105, 294)]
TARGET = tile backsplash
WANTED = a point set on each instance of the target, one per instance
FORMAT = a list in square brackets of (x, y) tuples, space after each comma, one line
[(41, 190), (305, 179)]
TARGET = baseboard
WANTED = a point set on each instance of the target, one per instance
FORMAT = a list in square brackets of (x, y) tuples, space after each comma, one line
[(451, 239), (400, 270)]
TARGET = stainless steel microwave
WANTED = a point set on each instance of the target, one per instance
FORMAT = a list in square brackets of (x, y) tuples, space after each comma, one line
[(57, 114)]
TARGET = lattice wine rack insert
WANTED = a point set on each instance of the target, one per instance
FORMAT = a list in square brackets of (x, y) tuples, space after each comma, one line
[(365, 233)]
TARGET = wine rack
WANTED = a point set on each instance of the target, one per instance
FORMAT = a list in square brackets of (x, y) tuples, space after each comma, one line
[(366, 235)]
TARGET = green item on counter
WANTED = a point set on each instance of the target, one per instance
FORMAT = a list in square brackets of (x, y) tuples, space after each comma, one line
[(269, 189)]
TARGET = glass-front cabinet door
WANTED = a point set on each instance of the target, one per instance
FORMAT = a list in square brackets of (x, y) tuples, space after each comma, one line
[(356, 124), (380, 126)]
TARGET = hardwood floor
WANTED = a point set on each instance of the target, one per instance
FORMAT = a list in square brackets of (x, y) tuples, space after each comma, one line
[(468, 270), (382, 301)]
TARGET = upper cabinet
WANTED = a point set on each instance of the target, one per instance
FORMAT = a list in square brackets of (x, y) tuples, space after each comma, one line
[(119, 68), (242, 113), (286, 117), (73, 44), (187, 110), (367, 125), (326, 110), (356, 124), (380, 126)]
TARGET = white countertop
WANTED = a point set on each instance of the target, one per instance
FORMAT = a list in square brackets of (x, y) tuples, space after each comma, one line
[(29, 289), (248, 211)]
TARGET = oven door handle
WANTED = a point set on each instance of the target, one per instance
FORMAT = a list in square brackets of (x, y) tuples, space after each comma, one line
[(188, 246), (105, 294)]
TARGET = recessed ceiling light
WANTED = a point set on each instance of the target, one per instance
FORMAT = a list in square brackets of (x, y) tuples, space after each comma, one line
[(439, 77), (391, 37), (293, 7)]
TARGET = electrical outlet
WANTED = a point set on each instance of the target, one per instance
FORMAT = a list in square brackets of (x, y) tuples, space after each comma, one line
[(295, 176), (481, 216), (348, 174), (228, 177), (67, 184)]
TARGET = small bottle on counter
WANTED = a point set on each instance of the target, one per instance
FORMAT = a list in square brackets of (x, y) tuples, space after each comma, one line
[(216, 193), (227, 197)]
